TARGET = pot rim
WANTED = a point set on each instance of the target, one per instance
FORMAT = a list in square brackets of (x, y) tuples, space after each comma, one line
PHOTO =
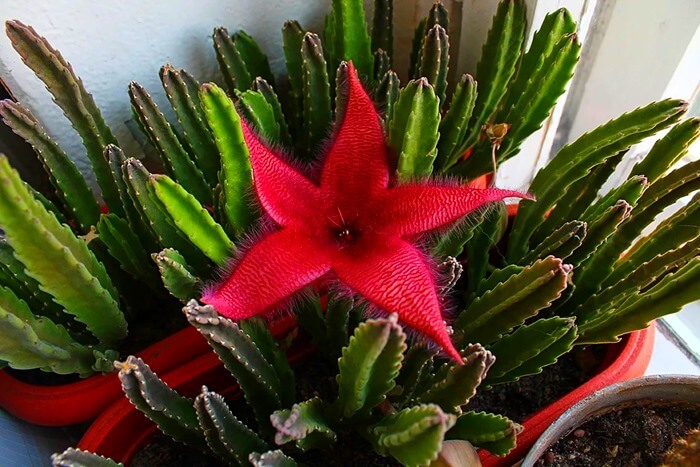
[(630, 360), (673, 388)]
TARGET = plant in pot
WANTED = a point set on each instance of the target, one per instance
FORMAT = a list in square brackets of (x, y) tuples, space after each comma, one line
[(78, 275), (324, 227), (571, 222), (648, 421), (427, 135)]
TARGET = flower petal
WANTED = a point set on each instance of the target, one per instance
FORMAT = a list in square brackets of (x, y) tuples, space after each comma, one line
[(356, 167), (286, 195), (413, 209), (393, 275), (279, 265)]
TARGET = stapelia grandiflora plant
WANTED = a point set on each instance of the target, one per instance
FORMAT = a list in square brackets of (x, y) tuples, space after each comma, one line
[(351, 222), (71, 274), (575, 269), (385, 396)]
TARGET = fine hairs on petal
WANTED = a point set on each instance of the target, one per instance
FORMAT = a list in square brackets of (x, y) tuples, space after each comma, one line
[(449, 308), (343, 83), (375, 253), (309, 170), (413, 336)]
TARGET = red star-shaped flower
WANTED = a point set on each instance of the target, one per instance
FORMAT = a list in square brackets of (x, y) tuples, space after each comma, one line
[(352, 226)]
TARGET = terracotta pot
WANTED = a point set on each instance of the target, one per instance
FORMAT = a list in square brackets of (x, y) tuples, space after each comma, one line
[(626, 360), (83, 400), (121, 431), (667, 388)]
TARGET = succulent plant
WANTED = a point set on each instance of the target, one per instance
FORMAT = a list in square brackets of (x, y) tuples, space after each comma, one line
[(72, 272), (185, 224), (577, 270), (391, 396)]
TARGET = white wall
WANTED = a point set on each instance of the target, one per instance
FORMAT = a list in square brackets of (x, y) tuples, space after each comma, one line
[(110, 43), (640, 50)]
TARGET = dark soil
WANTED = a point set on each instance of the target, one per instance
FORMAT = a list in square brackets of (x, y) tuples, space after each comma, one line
[(522, 398), (633, 436), (163, 451), (354, 451), (349, 451)]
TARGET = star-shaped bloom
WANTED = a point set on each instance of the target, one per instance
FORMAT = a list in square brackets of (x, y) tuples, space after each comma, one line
[(354, 225)]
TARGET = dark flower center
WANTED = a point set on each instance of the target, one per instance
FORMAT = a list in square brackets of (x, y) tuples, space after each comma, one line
[(344, 229), (345, 235)]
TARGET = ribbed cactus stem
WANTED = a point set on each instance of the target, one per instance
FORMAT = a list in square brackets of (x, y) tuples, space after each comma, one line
[(72, 457), (530, 348), (372, 357), (230, 61), (183, 93), (70, 186), (305, 424), (177, 277), (155, 215), (413, 129), (494, 433), (59, 261), (174, 414), (382, 64), (434, 58), (225, 434), (460, 383), (166, 141), (383, 27), (453, 126), (317, 100), (292, 36), (560, 243), (267, 92), (125, 246), (235, 176), (70, 94), (414, 435), (499, 57), (576, 159), (257, 377), (387, 93), (533, 288), (32, 342)]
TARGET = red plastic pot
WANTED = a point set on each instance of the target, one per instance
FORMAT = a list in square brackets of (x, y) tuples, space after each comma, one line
[(122, 431), (78, 402), (626, 360)]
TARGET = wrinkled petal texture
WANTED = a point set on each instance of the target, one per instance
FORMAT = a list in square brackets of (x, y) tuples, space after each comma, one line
[(356, 167), (414, 209), (393, 275), (353, 225), (286, 195), (275, 268)]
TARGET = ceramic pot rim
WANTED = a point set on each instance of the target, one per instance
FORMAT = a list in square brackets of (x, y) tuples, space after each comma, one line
[(672, 388)]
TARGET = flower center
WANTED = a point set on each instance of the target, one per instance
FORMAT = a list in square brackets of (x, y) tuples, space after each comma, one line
[(344, 230), (345, 235)]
